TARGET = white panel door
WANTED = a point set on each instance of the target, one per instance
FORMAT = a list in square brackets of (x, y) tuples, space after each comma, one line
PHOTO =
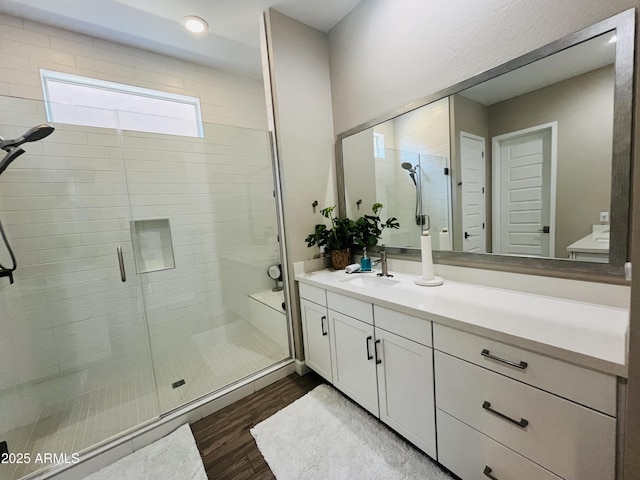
[(472, 160), (405, 386), (525, 195), (315, 331), (353, 360)]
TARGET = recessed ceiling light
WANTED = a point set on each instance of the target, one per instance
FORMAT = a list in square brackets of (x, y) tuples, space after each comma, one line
[(195, 24), (614, 39)]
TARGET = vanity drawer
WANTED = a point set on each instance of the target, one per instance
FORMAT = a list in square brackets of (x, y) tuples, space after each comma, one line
[(570, 440), (358, 309), (469, 453), (313, 294), (587, 387), (407, 326)]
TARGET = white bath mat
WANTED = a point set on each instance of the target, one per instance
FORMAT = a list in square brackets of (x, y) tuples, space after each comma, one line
[(175, 456), (325, 436)]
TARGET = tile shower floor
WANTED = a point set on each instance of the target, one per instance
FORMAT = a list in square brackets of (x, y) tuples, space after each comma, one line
[(93, 417)]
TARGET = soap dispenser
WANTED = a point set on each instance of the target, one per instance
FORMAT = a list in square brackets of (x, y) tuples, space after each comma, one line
[(365, 262)]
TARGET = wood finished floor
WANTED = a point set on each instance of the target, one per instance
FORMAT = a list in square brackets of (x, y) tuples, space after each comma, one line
[(226, 446)]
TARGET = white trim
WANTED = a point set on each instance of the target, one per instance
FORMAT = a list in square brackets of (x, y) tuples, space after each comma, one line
[(484, 183), (46, 75), (495, 175), (301, 368)]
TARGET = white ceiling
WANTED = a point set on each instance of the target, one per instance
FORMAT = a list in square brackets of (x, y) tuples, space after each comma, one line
[(232, 41), (574, 61)]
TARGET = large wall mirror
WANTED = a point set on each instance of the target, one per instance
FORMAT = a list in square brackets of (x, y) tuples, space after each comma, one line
[(524, 167)]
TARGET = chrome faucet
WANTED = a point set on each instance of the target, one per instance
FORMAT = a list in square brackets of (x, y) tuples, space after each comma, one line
[(383, 261)]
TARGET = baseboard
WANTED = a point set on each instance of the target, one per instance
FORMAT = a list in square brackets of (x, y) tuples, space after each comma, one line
[(301, 368)]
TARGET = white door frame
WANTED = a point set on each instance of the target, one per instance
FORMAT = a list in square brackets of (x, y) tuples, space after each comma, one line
[(495, 175), (484, 183)]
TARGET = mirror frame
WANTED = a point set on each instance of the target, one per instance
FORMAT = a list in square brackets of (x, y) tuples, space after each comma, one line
[(612, 272)]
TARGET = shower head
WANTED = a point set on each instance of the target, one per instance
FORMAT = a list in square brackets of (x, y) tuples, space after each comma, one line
[(32, 135), (12, 147), (412, 171), (408, 166)]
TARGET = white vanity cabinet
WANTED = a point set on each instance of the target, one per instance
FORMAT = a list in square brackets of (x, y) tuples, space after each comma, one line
[(405, 376), (316, 330), (540, 407), (352, 350), (382, 360), (480, 402)]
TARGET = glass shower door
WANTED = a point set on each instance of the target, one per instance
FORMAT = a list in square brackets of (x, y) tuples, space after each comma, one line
[(75, 366), (205, 233)]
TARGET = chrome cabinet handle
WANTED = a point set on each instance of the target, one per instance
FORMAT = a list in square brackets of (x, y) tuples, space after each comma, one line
[(521, 365), (123, 273), (522, 423), (324, 332), (375, 347), (369, 356), (487, 473)]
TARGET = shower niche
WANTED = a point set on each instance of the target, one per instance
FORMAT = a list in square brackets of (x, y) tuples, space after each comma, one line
[(153, 245)]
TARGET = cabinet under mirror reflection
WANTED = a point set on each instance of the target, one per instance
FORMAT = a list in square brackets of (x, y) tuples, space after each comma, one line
[(525, 159)]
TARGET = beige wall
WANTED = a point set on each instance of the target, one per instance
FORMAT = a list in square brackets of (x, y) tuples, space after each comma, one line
[(583, 108), (470, 117), (388, 53), (360, 173), (299, 82)]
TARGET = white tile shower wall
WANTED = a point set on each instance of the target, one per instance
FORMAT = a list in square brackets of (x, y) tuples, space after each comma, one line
[(65, 206), (65, 209), (425, 131), (217, 193), (26, 46), (435, 194)]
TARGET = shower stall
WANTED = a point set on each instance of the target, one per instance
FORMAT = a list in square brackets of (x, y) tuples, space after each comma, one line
[(141, 281), (415, 188)]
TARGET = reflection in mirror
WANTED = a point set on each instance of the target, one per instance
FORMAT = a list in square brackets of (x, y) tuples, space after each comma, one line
[(545, 132), (530, 157), (403, 163)]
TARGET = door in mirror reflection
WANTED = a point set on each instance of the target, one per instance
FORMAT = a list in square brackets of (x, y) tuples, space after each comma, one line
[(525, 181)]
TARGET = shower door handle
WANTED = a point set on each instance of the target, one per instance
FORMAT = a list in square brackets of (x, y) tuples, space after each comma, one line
[(123, 273)]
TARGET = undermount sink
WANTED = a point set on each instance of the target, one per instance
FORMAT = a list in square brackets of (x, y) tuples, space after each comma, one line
[(369, 280)]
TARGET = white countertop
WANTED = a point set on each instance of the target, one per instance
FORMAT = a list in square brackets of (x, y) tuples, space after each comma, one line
[(596, 242), (585, 334)]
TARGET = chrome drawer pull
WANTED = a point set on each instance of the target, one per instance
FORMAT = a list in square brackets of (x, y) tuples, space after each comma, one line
[(487, 473), (324, 332), (369, 356), (522, 423), (522, 365), (375, 347)]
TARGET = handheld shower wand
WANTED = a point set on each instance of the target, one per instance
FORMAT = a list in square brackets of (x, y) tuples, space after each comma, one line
[(412, 171), (12, 147)]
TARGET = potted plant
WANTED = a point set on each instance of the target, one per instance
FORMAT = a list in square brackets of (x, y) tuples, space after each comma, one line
[(369, 227), (338, 239), (344, 233)]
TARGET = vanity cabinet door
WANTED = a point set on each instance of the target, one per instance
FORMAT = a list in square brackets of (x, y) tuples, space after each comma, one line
[(317, 346), (405, 386), (352, 348)]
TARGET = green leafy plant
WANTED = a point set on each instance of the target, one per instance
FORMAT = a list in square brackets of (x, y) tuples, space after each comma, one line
[(339, 237), (369, 227), (344, 232)]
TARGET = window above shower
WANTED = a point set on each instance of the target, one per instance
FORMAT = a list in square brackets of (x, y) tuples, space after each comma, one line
[(78, 100)]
